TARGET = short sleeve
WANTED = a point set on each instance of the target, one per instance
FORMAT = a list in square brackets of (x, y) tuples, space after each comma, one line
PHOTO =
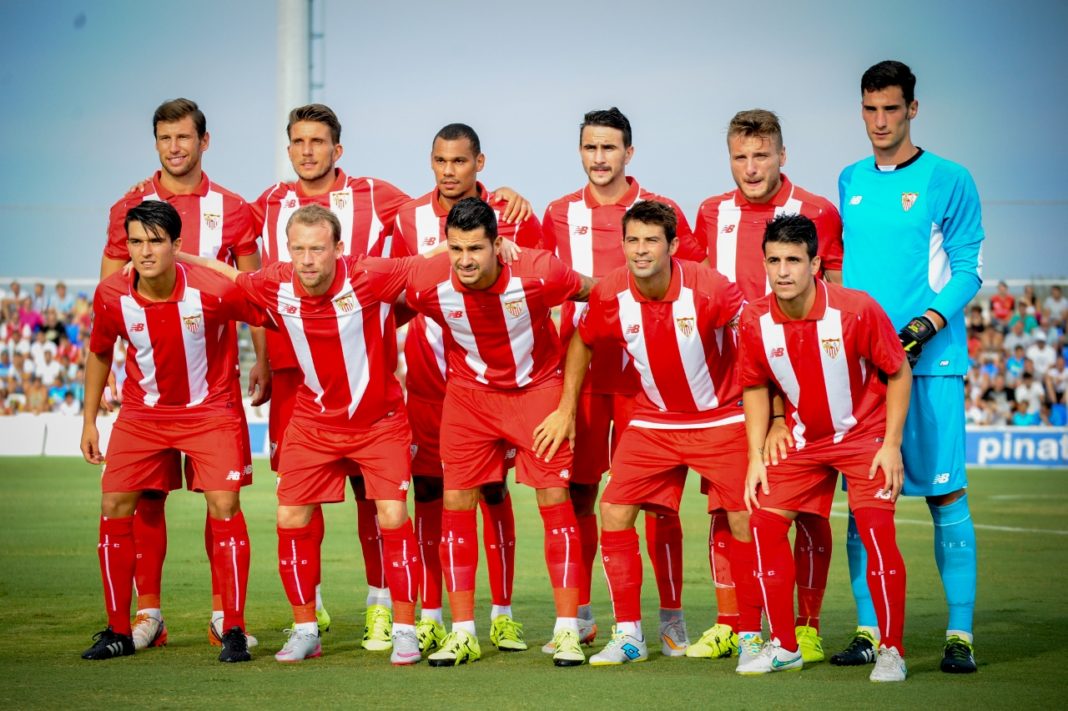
[(561, 281), (884, 345), (387, 278), (753, 372), (104, 330), (255, 286), (242, 234), (829, 229)]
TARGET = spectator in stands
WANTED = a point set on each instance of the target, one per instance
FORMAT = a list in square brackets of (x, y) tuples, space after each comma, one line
[(16, 398), (39, 300), (49, 369), (1014, 364), (979, 325), (1017, 337), (14, 294), (39, 347), (1022, 417), (1055, 308), (1030, 393), (1002, 306), (62, 300), (77, 384), (974, 412), (5, 365), (29, 320), (36, 396), (1024, 312), (1030, 299), (21, 366), (56, 392), (1041, 353), (1056, 381), (1001, 398), (69, 405)]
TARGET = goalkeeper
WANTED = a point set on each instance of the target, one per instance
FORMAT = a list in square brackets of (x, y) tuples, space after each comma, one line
[(912, 236)]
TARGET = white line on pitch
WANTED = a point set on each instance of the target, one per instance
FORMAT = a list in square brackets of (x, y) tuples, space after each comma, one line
[(979, 526)]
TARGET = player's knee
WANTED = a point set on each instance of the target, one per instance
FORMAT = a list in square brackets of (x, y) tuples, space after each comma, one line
[(294, 516), (739, 523), (119, 504), (553, 497), (617, 517), (460, 499), (946, 499), (222, 504), (391, 514)]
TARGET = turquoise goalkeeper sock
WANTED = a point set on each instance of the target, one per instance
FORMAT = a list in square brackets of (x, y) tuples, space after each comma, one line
[(858, 576), (954, 545)]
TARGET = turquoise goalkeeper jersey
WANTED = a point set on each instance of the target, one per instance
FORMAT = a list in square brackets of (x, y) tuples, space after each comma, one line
[(913, 239)]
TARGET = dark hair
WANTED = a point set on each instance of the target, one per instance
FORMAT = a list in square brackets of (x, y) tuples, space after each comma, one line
[(652, 212), (319, 113), (155, 216), (178, 109), (611, 118), (315, 214), (471, 213), (456, 131), (890, 73), (792, 229)]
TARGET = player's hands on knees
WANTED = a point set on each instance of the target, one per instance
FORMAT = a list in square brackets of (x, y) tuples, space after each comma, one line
[(517, 207), (90, 444), (510, 251), (259, 383), (778, 442), (888, 458), (755, 477), (551, 433)]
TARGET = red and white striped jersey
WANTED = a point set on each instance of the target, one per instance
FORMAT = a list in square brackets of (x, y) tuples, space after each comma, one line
[(731, 230), (588, 236), (503, 337), (826, 364), (181, 354), (420, 228), (684, 346), (216, 223), (345, 340), (366, 207)]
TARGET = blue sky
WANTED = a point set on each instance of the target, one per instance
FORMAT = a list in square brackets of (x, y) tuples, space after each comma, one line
[(80, 81)]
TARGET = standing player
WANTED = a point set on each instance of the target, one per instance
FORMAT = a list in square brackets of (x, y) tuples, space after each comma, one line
[(503, 357), (456, 158), (676, 321), (928, 209), (336, 315), (584, 229), (731, 228), (180, 394), (824, 350), (216, 223)]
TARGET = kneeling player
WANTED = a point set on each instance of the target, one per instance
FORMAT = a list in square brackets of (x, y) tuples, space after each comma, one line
[(824, 348), (180, 395)]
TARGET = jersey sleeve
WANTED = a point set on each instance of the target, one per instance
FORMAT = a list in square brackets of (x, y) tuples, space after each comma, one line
[(688, 245), (882, 342), (752, 368), (116, 245), (962, 238), (256, 285), (561, 281), (105, 330), (548, 232), (387, 278), (529, 233), (236, 305), (597, 319), (388, 199), (242, 234), (403, 241), (258, 212), (702, 233), (829, 228), (727, 298)]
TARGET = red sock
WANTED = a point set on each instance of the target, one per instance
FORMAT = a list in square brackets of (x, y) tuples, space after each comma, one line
[(775, 573), (209, 548), (459, 561), (563, 556), (370, 542), (886, 573), (115, 550), (622, 560), (150, 543), (498, 536), (229, 564), (588, 541), (318, 527), (428, 533), (743, 567), (812, 560), (299, 566), (663, 541), (719, 541), (404, 572)]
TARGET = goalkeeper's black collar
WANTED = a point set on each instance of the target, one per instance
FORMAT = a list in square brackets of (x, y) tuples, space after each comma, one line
[(899, 166)]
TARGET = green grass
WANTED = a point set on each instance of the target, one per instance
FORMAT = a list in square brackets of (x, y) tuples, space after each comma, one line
[(50, 604)]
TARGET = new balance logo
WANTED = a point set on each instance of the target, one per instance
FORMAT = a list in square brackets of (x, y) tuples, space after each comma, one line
[(727, 229), (565, 474), (942, 478), (137, 327), (404, 485), (777, 352), (233, 476), (430, 241), (883, 494), (855, 200), (455, 314), (289, 309), (580, 230), (633, 329)]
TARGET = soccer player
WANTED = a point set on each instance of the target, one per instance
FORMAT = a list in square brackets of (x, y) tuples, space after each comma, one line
[(731, 227), (456, 158), (584, 229), (180, 394), (335, 312), (676, 319), (825, 350), (502, 351), (927, 208), (216, 223)]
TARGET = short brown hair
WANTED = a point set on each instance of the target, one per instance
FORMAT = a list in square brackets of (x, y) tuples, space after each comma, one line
[(755, 123), (315, 215), (652, 212), (178, 109), (319, 113)]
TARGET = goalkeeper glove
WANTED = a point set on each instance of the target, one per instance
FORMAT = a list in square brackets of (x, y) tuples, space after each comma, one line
[(914, 335)]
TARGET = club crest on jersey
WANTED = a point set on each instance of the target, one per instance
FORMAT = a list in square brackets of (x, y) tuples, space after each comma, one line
[(908, 200), (341, 199), (685, 325), (516, 307), (831, 346), (212, 220), (581, 229), (193, 323), (345, 304)]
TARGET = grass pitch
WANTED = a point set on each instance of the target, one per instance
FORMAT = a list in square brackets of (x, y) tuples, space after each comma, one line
[(50, 604)]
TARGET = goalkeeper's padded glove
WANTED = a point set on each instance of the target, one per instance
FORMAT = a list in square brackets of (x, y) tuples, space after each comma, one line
[(914, 335)]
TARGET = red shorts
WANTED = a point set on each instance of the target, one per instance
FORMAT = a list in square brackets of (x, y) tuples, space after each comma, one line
[(284, 386), (143, 455), (478, 427), (599, 423), (646, 469), (315, 462), (805, 481), (424, 416)]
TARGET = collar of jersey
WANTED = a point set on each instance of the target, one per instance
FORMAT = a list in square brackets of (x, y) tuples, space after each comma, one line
[(673, 290), (497, 287), (819, 306), (341, 272), (339, 182), (178, 294), (785, 191), (628, 199), (439, 211)]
